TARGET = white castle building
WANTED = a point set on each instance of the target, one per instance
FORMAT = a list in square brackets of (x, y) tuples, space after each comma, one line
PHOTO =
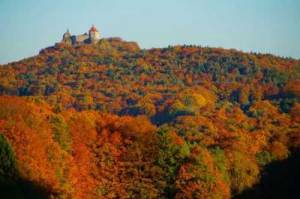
[(91, 38)]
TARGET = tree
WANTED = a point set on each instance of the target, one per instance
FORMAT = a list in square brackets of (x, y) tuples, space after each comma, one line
[(200, 178), (173, 152), (8, 165), (187, 102)]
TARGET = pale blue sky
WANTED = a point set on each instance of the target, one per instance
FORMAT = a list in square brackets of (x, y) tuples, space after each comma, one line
[(268, 26)]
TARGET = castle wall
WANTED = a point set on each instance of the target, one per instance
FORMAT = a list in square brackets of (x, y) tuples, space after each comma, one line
[(80, 38)]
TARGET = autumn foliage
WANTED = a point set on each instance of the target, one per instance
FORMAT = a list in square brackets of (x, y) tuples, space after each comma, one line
[(111, 120)]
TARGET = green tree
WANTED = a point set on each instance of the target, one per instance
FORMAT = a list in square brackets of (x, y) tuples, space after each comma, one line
[(8, 168), (61, 132), (170, 158)]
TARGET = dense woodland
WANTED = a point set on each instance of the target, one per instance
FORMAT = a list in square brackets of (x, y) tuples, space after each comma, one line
[(112, 120)]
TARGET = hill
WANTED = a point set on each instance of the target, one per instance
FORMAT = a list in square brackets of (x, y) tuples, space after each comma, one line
[(111, 120), (118, 77)]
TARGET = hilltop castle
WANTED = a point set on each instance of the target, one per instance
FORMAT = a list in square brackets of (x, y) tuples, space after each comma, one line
[(91, 38)]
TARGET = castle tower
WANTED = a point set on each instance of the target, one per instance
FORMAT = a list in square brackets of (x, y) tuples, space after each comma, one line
[(94, 35), (67, 37)]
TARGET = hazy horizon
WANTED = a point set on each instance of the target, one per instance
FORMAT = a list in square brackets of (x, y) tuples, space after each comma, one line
[(270, 26)]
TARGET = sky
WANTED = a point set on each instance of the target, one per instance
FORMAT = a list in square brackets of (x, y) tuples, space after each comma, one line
[(265, 26)]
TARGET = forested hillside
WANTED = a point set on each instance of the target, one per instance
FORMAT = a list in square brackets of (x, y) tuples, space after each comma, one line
[(111, 120)]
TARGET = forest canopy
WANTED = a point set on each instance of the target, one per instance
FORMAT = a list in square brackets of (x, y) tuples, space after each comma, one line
[(111, 120)]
